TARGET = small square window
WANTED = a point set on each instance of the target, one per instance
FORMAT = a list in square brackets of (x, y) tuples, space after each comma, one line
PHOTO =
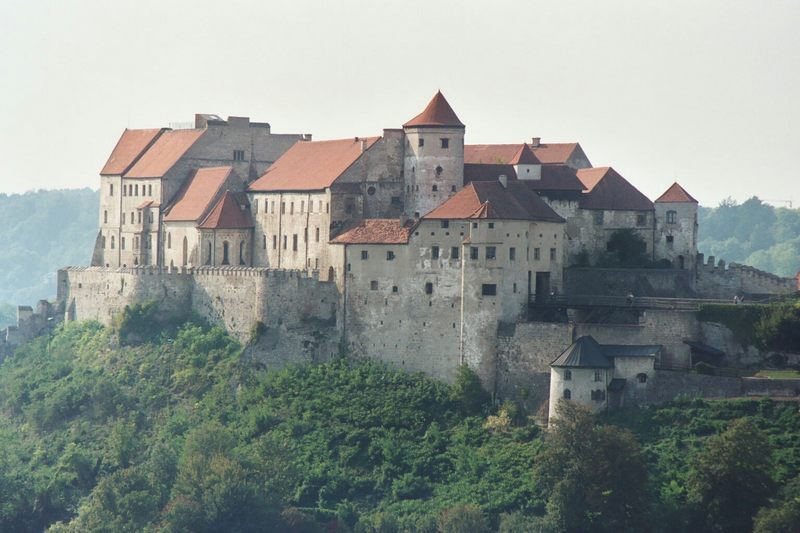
[(364, 255), (671, 217), (394, 288), (421, 142), (512, 254), (491, 252), (473, 252), (373, 285), (445, 223), (474, 225), (389, 255), (536, 254), (567, 375), (552, 254), (489, 289), (238, 155), (434, 252), (454, 252), (445, 143), (491, 225)]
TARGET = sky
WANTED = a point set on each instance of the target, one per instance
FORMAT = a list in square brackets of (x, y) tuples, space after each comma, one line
[(706, 93)]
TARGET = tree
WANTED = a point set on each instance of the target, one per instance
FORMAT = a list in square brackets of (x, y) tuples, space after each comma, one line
[(593, 477), (730, 478), (469, 392), (626, 248), (784, 515), (462, 519)]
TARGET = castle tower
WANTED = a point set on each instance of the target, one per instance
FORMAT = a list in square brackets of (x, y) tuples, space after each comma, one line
[(676, 227), (434, 157)]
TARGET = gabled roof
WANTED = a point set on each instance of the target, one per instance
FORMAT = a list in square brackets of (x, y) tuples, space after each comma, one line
[(198, 192), (311, 165), (164, 153), (129, 147), (553, 177), (489, 199), (555, 153), (588, 353), (482, 172), (376, 231), (492, 154), (584, 352), (230, 212), (437, 113), (676, 194), (606, 189)]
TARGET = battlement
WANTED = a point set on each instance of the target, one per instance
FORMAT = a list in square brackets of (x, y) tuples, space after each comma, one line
[(30, 323), (715, 279), (229, 271)]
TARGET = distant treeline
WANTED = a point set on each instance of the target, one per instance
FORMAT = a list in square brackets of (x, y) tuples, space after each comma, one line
[(753, 233), (40, 232)]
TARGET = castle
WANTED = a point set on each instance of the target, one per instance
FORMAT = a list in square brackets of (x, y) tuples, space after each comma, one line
[(411, 247)]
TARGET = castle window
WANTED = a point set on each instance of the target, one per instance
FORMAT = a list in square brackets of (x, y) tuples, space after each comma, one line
[(641, 378), (316, 263), (552, 254), (371, 190), (123, 218), (567, 394), (364, 255), (225, 253), (428, 288), (255, 206), (305, 234), (122, 243), (149, 190), (111, 189), (491, 225), (396, 201), (327, 207), (536, 254), (373, 285), (112, 242), (452, 188), (598, 375), (319, 206), (291, 208), (208, 253), (150, 216), (435, 188), (283, 208), (641, 219), (294, 242), (473, 252), (598, 218), (103, 240), (512, 254), (272, 207), (316, 234), (439, 171), (139, 217), (238, 155), (394, 288), (132, 219), (671, 216), (670, 241), (445, 223), (264, 242), (274, 242), (285, 240), (421, 142), (241, 253), (416, 214), (389, 255), (491, 252), (474, 225), (454, 252), (136, 190), (567, 375), (434, 252), (169, 240), (302, 206), (445, 143), (489, 289), (105, 217)]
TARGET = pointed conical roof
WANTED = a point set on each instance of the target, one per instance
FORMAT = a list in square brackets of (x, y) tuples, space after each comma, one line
[(438, 113), (584, 352), (525, 156), (676, 194)]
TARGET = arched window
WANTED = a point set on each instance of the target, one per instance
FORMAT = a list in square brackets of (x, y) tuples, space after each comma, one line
[(185, 252), (103, 241), (112, 242), (225, 252), (567, 394), (567, 375), (169, 240), (105, 217), (241, 253), (331, 274), (122, 243), (439, 171), (435, 188), (208, 253)]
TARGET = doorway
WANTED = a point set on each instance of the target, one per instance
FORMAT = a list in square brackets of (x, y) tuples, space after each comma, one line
[(542, 286)]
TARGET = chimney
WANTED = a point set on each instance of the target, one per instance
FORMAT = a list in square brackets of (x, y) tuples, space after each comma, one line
[(403, 219), (363, 145), (503, 179), (535, 141)]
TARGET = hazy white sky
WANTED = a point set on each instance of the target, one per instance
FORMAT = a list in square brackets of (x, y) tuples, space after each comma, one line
[(703, 92)]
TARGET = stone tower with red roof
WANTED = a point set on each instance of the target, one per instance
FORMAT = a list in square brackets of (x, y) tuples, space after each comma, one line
[(676, 227), (434, 157)]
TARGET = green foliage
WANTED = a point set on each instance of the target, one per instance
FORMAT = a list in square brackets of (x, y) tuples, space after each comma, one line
[(625, 248), (768, 327), (462, 519), (468, 391), (752, 233), (593, 476), (784, 514), (42, 232), (730, 479)]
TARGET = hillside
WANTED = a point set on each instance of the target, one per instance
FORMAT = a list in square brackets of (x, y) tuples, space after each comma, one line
[(183, 434), (752, 233), (40, 232)]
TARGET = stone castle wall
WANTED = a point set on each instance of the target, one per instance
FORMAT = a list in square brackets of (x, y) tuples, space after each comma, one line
[(714, 280), (670, 283)]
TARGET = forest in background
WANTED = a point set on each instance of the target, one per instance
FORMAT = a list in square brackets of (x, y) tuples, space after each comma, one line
[(752, 233)]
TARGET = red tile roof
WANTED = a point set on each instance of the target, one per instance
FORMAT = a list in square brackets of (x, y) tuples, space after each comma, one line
[(489, 199), (195, 197), (555, 153), (376, 231), (606, 189), (129, 147), (311, 165), (676, 194), (230, 212), (553, 178), (437, 113), (164, 153), (145, 204), (525, 156)]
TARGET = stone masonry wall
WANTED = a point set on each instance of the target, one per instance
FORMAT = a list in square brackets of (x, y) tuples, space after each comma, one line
[(714, 280), (621, 281)]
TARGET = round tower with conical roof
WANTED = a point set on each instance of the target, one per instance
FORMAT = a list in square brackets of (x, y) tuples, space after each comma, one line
[(434, 157)]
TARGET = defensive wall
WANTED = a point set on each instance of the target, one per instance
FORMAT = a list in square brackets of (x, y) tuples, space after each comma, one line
[(715, 280), (659, 282), (292, 312)]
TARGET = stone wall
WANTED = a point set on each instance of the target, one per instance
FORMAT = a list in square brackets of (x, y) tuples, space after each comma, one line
[(621, 281), (667, 384), (30, 324), (714, 280), (297, 312)]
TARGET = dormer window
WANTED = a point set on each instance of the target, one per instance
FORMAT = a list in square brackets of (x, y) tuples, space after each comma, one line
[(445, 143)]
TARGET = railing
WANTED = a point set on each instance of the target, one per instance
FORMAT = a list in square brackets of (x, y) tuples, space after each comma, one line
[(638, 302)]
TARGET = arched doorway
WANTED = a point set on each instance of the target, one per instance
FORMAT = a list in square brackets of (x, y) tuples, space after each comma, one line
[(185, 255)]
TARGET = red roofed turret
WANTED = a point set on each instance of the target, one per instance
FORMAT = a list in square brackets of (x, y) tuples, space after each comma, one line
[(676, 194), (438, 113)]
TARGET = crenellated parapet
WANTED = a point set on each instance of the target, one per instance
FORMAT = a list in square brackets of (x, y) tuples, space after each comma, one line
[(716, 279)]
